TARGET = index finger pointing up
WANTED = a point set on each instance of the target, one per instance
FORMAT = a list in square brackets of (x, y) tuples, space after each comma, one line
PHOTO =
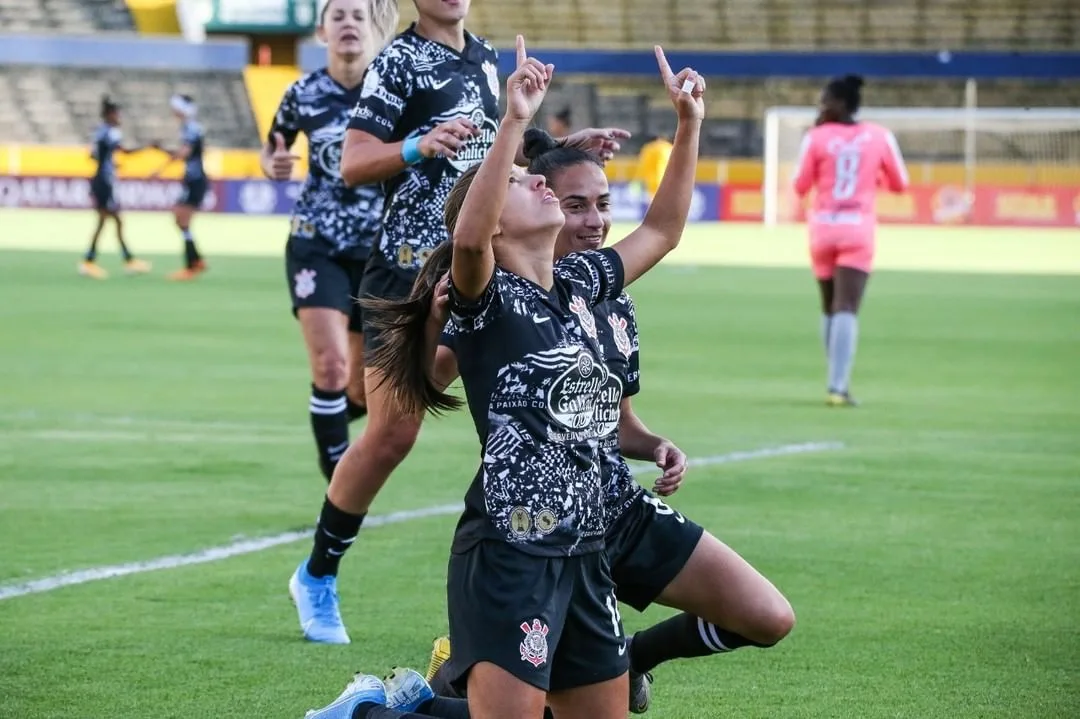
[(521, 56), (665, 68)]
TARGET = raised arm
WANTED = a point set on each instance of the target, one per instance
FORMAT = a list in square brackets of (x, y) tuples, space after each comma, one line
[(478, 218), (665, 219)]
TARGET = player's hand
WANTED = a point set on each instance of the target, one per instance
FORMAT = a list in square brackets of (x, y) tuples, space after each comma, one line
[(602, 142), (281, 161), (685, 89), (527, 85), (672, 461), (446, 139), (440, 301)]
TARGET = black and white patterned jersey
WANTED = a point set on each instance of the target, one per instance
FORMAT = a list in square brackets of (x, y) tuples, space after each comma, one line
[(413, 85), (339, 221), (618, 335), (193, 135), (534, 379), (106, 142)]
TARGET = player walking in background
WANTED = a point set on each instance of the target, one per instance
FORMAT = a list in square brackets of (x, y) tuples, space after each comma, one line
[(195, 182), (657, 555), (428, 110), (333, 226), (530, 598), (844, 161), (106, 143)]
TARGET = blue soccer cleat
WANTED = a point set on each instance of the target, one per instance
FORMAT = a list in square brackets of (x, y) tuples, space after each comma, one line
[(316, 601), (362, 689), (406, 690)]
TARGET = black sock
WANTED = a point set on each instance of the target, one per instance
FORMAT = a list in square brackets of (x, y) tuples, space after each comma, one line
[(91, 254), (445, 707), (191, 254), (681, 637), (354, 410), (333, 536), (330, 425), (371, 710), (124, 251)]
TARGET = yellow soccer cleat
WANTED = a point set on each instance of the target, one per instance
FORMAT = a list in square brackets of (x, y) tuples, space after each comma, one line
[(440, 652), (92, 270), (136, 267), (840, 399)]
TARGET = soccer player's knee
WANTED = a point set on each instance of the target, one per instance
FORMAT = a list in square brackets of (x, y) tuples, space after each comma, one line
[(331, 370), (395, 441), (774, 622)]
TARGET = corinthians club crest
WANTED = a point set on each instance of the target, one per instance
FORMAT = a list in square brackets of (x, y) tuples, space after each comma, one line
[(534, 647), (622, 339)]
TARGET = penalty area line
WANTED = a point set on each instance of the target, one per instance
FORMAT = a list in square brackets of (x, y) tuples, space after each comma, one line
[(250, 546)]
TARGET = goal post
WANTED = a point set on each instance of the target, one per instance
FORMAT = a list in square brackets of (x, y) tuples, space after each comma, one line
[(957, 146)]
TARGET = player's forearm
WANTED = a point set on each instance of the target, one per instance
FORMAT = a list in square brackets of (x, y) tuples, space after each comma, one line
[(366, 162), (635, 439), (670, 206)]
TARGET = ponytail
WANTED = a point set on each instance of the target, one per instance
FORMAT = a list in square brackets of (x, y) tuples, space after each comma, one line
[(403, 356)]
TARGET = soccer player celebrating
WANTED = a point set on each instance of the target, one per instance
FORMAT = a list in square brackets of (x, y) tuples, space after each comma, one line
[(656, 554), (527, 560), (106, 143), (428, 110), (844, 161), (195, 183), (333, 226)]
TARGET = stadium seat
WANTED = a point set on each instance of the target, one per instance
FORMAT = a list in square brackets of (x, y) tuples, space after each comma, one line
[(74, 16), (62, 105)]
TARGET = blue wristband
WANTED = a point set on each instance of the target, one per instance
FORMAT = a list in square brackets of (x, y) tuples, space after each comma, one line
[(410, 151)]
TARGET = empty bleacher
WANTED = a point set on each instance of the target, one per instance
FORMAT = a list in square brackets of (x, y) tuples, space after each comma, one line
[(783, 24), (69, 16), (61, 105)]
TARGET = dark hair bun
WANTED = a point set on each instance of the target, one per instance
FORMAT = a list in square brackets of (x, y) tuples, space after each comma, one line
[(538, 142), (853, 81)]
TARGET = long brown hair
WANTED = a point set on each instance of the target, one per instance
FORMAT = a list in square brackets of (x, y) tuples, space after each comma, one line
[(402, 358)]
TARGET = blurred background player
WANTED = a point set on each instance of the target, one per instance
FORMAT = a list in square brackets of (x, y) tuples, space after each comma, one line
[(844, 161), (195, 182), (106, 143), (561, 123), (333, 226), (652, 162)]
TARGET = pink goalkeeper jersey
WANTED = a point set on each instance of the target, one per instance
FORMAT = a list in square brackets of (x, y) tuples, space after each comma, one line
[(845, 164)]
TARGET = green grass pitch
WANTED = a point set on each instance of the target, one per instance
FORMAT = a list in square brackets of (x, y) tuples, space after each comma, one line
[(932, 561)]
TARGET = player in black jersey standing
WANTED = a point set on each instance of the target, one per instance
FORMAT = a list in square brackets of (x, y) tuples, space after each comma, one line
[(428, 110), (530, 598), (333, 226), (195, 182), (106, 143)]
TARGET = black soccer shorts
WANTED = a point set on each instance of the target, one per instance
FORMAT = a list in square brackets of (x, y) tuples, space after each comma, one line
[(552, 622), (647, 546), (317, 280)]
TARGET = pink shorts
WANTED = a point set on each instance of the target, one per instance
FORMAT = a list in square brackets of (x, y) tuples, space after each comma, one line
[(833, 246)]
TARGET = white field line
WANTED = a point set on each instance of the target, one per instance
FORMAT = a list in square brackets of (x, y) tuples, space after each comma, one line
[(250, 546)]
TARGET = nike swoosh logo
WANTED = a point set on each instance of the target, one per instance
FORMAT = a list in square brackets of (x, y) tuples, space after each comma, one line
[(540, 320), (441, 85), (622, 649)]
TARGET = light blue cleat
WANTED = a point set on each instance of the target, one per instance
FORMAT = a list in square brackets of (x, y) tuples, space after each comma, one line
[(406, 690), (363, 688), (316, 601)]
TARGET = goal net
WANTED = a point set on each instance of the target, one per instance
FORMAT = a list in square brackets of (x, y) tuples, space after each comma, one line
[(955, 148)]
